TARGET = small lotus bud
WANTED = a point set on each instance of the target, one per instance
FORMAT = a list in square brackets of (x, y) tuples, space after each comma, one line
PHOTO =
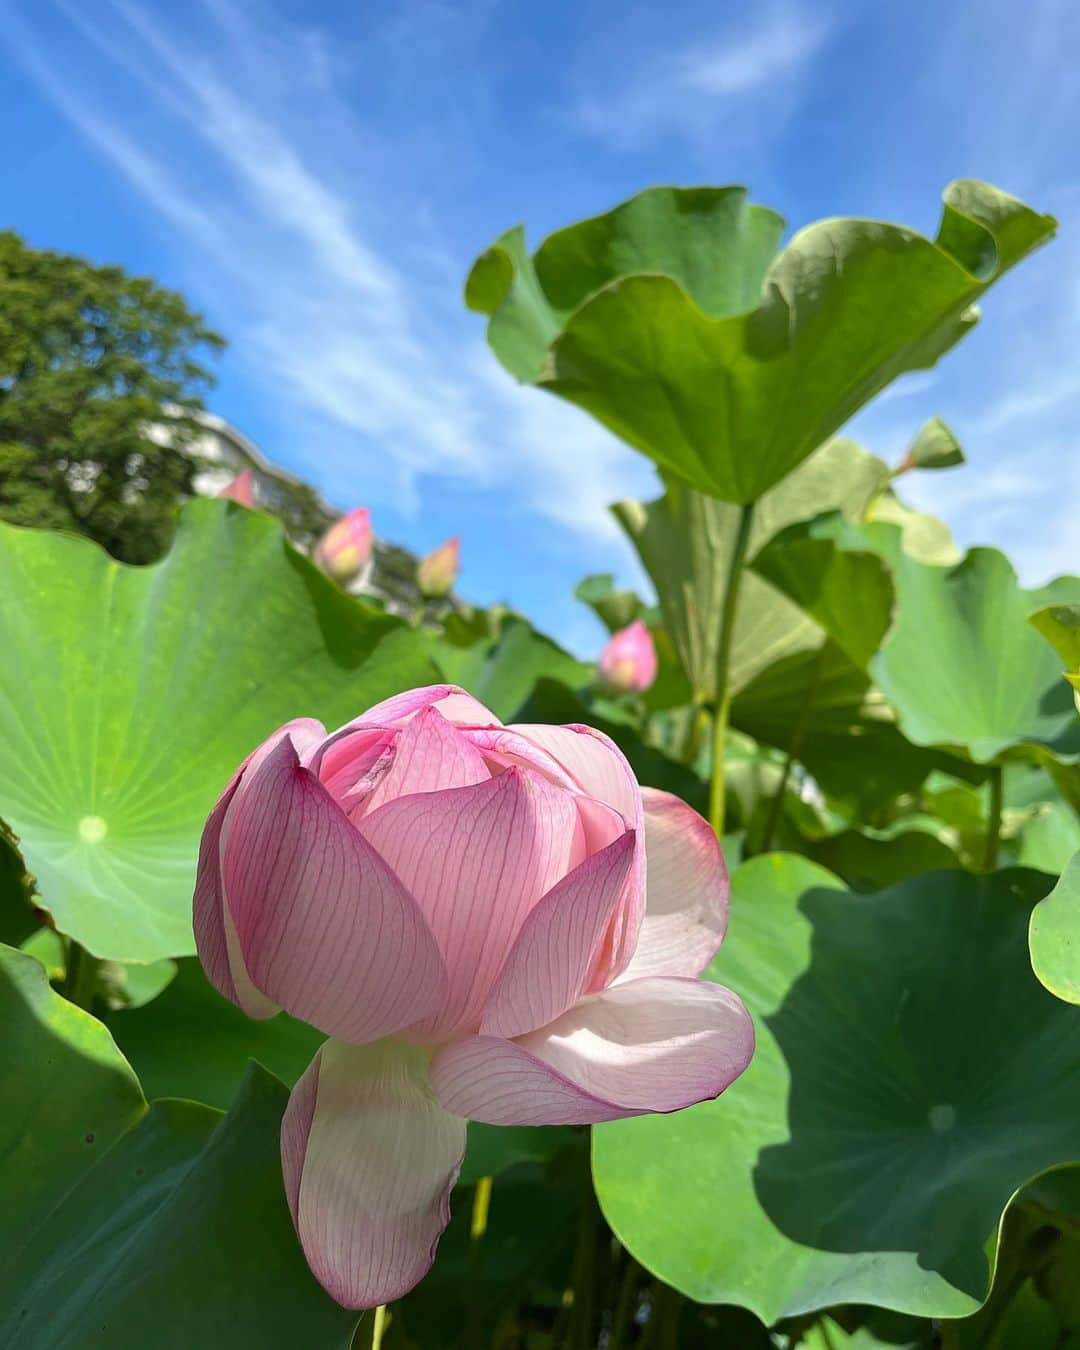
[(628, 663), (241, 489), (344, 550), (436, 574)]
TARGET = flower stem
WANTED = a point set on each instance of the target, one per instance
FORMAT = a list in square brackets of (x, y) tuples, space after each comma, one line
[(662, 1328), (80, 977), (722, 696), (625, 1303), (582, 1310), (372, 1328), (993, 828)]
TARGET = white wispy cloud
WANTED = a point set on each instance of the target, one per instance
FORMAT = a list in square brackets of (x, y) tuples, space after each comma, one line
[(323, 313), (744, 79)]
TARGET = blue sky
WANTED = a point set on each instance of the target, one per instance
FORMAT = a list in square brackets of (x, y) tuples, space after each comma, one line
[(318, 175)]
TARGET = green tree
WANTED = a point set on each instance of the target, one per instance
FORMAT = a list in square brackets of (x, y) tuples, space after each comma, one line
[(99, 375)]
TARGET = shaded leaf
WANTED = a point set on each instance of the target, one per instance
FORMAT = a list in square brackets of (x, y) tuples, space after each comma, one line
[(179, 1236), (894, 1104)]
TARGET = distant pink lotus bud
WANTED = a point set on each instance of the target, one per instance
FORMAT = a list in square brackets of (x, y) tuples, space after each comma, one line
[(241, 489), (628, 663), (345, 548), (436, 574), (461, 907)]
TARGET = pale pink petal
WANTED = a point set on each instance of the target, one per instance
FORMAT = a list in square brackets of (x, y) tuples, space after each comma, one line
[(215, 933), (549, 965), (477, 859), (504, 748), (351, 760), (454, 703), (649, 1045), (686, 904), (593, 760), (326, 929), (369, 1159), (430, 754), (600, 769)]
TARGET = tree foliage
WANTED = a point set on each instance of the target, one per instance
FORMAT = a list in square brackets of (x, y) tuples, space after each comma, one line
[(100, 372)]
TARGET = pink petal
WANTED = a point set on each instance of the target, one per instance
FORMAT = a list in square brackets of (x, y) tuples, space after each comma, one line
[(326, 929), (599, 768), (686, 904), (549, 965), (215, 933), (369, 1159), (649, 1045), (455, 705), (477, 859), (430, 754), (352, 759)]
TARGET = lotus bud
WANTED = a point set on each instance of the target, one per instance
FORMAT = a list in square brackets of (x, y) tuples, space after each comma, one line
[(488, 922), (628, 663), (345, 549), (436, 574), (241, 489)]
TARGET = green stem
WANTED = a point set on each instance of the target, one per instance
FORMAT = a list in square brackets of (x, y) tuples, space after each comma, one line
[(802, 725), (582, 1312), (662, 1328), (370, 1332), (625, 1303), (80, 978), (722, 699), (993, 829)]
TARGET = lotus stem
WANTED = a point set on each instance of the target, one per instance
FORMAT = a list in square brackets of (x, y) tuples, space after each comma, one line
[(722, 696), (80, 978), (993, 826), (625, 1303)]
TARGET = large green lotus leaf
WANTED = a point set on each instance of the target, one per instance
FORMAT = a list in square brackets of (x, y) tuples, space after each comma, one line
[(1055, 936), (712, 240), (1060, 625), (894, 1104), (962, 666), (66, 1094), (502, 670), (128, 695), (850, 741), (732, 399), (685, 541), (848, 593), (1047, 838), (178, 1237)]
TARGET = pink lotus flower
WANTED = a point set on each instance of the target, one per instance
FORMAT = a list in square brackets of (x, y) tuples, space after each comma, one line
[(628, 663), (241, 489), (344, 550), (436, 574), (461, 907)]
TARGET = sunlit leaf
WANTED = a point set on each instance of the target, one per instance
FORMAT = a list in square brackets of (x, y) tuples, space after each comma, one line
[(1055, 936), (894, 1104), (667, 320), (128, 695)]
